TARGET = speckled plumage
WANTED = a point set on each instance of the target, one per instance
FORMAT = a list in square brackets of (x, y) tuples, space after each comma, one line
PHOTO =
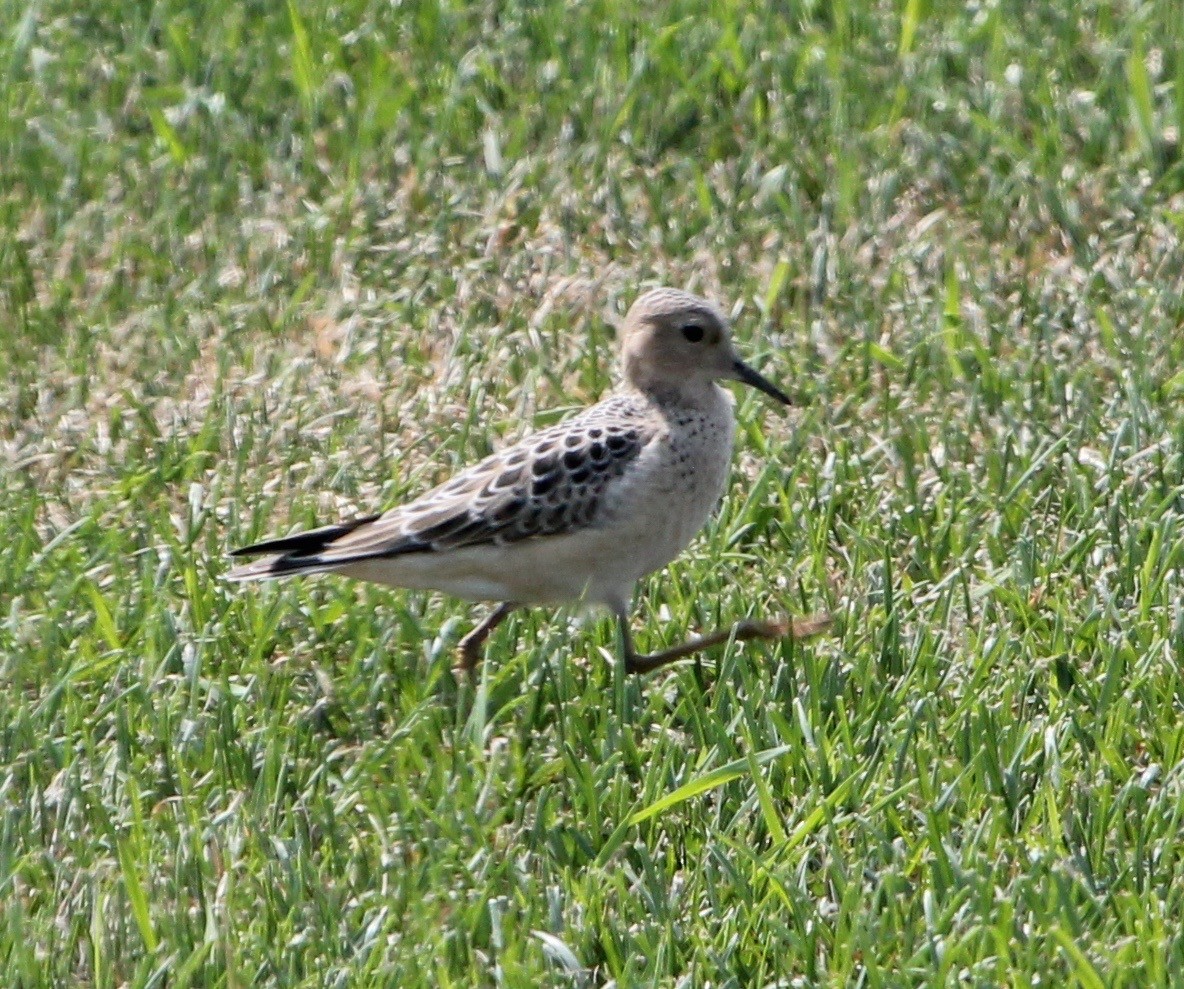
[(579, 511)]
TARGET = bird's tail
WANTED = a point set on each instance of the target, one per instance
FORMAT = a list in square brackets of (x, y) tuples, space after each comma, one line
[(297, 554)]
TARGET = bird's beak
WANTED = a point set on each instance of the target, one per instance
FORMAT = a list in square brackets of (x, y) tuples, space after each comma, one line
[(750, 377)]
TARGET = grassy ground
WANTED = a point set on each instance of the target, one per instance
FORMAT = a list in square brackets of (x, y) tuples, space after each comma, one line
[(265, 265)]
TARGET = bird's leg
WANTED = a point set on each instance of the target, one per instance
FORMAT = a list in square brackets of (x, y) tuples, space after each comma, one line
[(748, 629), (470, 646)]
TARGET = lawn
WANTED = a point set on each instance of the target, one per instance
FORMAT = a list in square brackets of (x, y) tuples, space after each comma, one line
[(263, 266)]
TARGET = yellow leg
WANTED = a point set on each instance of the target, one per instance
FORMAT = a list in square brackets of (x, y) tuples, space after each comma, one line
[(470, 646), (802, 628)]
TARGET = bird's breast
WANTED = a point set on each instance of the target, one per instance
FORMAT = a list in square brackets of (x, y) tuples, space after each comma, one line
[(675, 485)]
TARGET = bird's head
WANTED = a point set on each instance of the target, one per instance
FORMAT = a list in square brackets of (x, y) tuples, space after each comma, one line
[(674, 341)]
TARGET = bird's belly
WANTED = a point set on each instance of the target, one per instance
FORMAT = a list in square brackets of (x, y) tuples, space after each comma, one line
[(592, 564)]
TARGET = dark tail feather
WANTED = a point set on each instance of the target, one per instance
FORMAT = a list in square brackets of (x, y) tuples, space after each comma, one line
[(292, 554), (304, 543)]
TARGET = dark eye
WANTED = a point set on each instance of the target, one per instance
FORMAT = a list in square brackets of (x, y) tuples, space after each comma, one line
[(693, 332)]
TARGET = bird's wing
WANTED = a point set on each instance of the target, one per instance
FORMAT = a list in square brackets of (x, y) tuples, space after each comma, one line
[(550, 483)]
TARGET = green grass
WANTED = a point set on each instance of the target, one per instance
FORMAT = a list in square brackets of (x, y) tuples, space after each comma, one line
[(265, 265)]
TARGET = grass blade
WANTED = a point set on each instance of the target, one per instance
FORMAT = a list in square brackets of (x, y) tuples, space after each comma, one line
[(709, 781)]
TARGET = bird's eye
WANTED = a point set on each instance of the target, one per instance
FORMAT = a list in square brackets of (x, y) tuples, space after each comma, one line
[(693, 332)]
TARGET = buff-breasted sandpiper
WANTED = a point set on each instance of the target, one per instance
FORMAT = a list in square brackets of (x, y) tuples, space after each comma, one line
[(578, 512)]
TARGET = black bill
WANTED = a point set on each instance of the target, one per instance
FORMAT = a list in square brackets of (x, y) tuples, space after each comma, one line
[(750, 377)]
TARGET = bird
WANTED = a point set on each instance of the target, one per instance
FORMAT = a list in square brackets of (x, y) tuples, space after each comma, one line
[(577, 512)]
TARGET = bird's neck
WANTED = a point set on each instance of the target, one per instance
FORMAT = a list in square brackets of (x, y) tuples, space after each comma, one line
[(694, 393)]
